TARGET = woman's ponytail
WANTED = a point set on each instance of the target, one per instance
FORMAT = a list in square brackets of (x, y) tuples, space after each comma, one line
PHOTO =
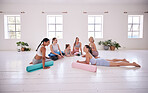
[(44, 40), (39, 45), (75, 40), (89, 49)]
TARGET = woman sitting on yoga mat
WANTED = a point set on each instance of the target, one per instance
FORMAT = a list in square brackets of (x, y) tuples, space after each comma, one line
[(55, 48), (76, 46), (67, 50), (41, 52), (104, 62)]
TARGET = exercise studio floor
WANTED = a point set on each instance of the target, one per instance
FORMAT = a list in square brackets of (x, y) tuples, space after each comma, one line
[(62, 78)]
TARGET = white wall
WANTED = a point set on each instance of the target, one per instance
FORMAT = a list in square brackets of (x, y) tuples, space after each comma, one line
[(33, 24)]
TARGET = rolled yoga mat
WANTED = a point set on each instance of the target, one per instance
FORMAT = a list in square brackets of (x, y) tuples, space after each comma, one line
[(38, 66), (86, 67)]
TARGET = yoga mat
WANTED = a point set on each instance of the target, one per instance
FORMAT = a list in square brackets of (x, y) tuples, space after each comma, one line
[(38, 66), (77, 53), (54, 54), (86, 67)]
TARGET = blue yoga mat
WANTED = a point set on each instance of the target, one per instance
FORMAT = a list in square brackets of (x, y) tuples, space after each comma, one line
[(50, 55), (38, 66)]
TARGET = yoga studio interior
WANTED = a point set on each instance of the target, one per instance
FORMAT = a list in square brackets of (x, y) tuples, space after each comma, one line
[(73, 46)]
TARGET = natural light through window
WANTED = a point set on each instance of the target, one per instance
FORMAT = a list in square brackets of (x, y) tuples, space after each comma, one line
[(55, 26), (12, 25), (95, 26), (135, 26)]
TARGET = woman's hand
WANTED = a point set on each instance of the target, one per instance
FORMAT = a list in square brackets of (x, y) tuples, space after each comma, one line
[(47, 57), (83, 55), (59, 56), (68, 55), (46, 67), (62, 55)]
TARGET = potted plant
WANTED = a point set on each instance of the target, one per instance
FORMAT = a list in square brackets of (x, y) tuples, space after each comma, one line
[(26, 47), (106, 44), (114, 45), (18, 46), (23, 46)]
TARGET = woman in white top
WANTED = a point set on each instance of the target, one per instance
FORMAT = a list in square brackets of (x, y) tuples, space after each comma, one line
[(55, 48), (40, 56)]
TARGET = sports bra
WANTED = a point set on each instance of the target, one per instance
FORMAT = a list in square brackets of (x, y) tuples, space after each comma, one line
[(68, 52), (77, 45)]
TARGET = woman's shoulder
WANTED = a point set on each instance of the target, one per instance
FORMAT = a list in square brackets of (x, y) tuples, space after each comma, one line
[(42, 48), (88, 55), (65, 50), (93, 43)]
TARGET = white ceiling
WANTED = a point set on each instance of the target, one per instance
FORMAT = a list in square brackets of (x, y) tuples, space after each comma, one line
[(77, 1)]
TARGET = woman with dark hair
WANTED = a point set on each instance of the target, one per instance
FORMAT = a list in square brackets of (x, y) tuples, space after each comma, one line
[(40, 56), (67, 50), (104, 62), (76, 46), (55, 49)]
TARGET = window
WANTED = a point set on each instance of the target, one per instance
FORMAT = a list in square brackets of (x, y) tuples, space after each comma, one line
[(55, 26), (12, 25), (135, 26), (95, 26)]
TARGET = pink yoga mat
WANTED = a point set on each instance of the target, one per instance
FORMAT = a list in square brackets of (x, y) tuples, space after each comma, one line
[(87, 67)]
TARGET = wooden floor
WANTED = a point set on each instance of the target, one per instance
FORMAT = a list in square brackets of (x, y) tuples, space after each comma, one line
[(62, 78)]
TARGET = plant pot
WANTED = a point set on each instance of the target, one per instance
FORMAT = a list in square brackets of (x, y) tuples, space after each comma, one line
[(112, 48), (22, 49), (18, 48), (106, 47)]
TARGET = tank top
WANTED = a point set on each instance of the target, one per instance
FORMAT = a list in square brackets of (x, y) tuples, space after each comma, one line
[(55, 47), (39, 53)]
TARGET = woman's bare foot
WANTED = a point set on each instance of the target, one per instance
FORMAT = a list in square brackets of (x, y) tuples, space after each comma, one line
[(125, 60), (97, 57), (136, 65), (31, 63), (83, 55)]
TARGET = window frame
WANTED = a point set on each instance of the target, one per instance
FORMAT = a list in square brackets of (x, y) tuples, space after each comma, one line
[(55, 24), (140, 27), (94, 24), (7, 24)]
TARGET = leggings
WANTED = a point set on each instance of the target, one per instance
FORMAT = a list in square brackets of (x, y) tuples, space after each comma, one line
[(55, 57)]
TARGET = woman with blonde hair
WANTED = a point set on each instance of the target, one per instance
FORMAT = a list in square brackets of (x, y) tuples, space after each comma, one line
[(93, 47)]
